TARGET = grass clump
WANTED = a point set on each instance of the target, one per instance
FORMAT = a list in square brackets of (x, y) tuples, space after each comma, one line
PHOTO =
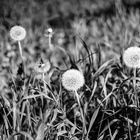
[(74, 84)]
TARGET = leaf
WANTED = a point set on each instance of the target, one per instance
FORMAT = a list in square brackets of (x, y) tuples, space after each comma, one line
[(24, 134), (54, 116), (114, 135), (103, 67), (107, 127), (93, 91), (70, 123), (35, 96), (93, 120), (61, 133), (99, 56), (40, 131), (14, 115), (72, 62), (86, 48), (74, 138), (101, 137)]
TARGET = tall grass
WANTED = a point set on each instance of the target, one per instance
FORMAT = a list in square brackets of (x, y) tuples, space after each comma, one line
[(35, 106)]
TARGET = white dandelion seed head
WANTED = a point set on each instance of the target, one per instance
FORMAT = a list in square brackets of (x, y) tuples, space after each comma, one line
[(42, 68), (50, 30), (17, 33), (131, 57), (72, 80)]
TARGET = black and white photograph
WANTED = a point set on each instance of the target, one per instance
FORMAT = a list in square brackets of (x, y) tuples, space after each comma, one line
[(69, 69)]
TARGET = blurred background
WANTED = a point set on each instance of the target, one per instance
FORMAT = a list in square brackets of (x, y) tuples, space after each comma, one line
[(112, 25), (101, 28)]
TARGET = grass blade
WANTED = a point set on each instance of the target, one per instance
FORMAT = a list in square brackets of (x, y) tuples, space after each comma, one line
[(93, 120)]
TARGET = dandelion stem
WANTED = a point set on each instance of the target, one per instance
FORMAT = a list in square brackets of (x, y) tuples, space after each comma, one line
[(134, 84), (136, 96), (20, 50), (82, 114), (50, 41), (21, 55)]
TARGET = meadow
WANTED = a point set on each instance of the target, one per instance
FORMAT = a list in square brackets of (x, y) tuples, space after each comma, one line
[(68, 72)]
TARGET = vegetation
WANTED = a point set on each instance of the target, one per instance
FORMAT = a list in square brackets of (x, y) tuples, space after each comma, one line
[(63, 35)]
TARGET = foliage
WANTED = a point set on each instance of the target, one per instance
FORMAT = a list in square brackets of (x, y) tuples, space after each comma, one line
[(35, 106)]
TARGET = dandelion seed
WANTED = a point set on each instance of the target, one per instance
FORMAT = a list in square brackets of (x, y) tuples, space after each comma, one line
[(48, 32), (72, 80), (131, 57), (42, 68), (17, 33)]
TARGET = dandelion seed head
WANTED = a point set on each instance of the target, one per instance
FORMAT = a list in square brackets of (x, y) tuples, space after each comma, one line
[(17, 33), (42, 68), (72, 80), (131, 57), (49, 32)]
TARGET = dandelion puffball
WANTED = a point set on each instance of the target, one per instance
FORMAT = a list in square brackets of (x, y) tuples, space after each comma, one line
[(131, 57), (17, 33), (49, 32), (72, 80), (42, 68)]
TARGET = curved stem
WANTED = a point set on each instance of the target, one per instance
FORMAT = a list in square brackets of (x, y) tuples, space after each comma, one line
[(82, 114)]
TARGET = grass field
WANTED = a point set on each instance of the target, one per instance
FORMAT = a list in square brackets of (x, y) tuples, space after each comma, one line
[(98, 100)]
